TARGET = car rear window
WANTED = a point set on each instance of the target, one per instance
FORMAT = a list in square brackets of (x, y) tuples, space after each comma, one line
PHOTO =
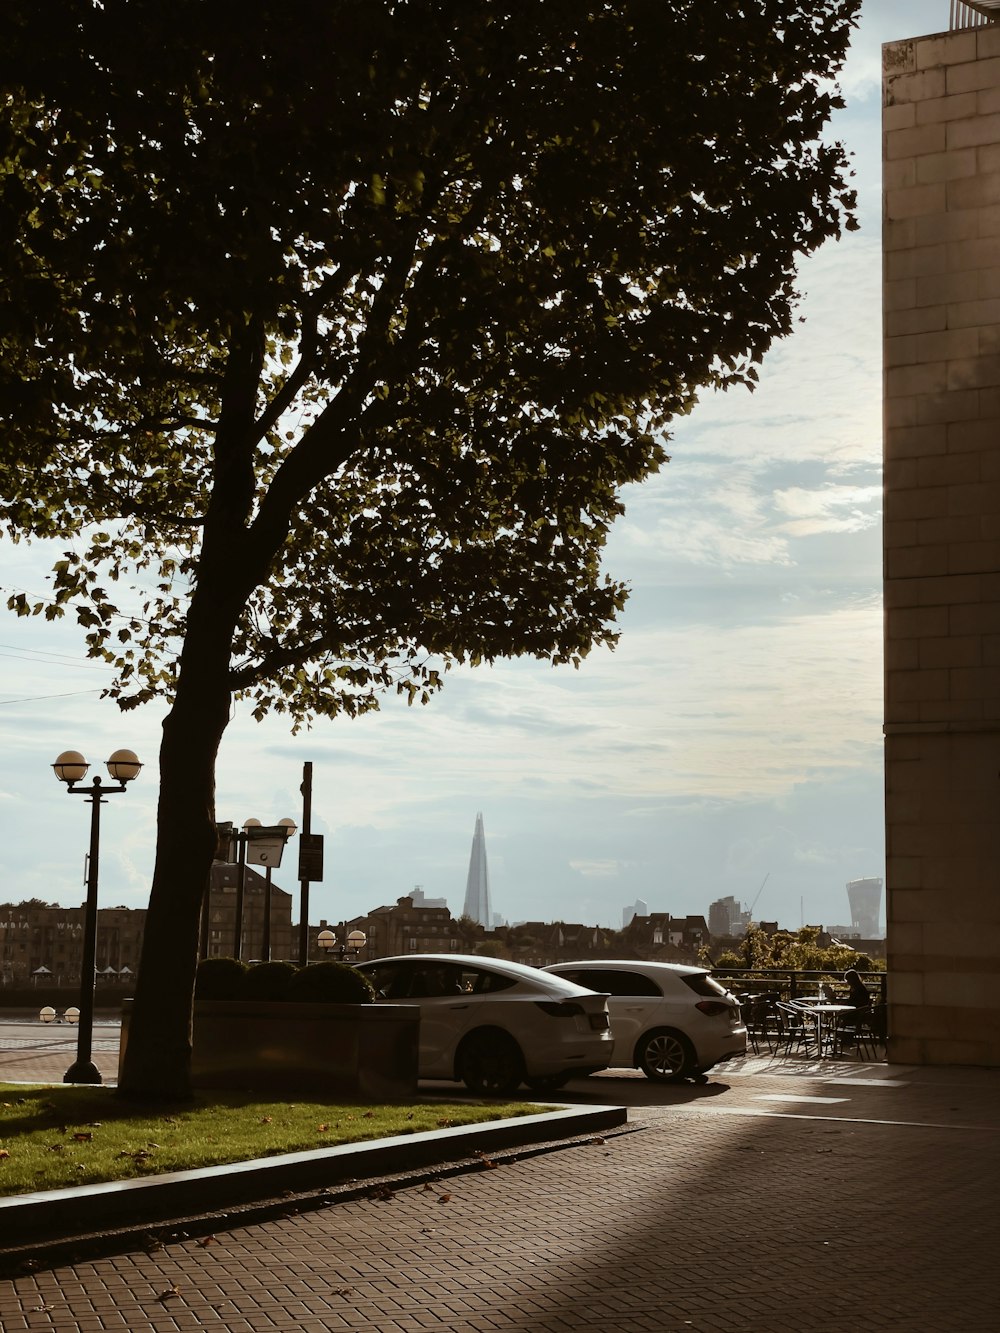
[(420, 980), (613, 981), (703, 984)]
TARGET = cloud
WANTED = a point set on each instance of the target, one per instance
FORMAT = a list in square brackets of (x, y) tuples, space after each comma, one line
[(597, 869), (810, 512)]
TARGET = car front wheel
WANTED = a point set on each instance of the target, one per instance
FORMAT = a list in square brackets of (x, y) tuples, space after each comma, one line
[(490, 1064), (665, 1055)]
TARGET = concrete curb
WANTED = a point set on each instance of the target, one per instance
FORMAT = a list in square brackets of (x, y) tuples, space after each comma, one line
[(53, 1226)]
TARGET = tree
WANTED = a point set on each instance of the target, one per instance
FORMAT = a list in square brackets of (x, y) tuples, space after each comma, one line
[(331, 332), (793, 951)]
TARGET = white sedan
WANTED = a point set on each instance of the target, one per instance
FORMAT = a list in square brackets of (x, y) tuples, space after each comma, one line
[(493, 1025), (669, 1020)]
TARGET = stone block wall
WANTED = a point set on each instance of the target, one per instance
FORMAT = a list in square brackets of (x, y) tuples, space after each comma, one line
[(941, 250)]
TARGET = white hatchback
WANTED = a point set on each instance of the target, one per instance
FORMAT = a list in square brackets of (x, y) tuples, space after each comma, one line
[(669, 1020), (493, 1025)]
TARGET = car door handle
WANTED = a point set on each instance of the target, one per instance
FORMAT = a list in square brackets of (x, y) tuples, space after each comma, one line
[(458, 1006)]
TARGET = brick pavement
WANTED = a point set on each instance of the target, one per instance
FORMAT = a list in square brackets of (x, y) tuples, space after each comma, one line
[(33, 1053), (781, 1197)]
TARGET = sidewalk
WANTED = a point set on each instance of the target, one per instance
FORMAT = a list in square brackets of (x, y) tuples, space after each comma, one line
[(781, 1197), (32, 1052)]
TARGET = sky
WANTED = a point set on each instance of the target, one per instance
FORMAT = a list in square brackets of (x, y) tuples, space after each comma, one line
[(731, 745)]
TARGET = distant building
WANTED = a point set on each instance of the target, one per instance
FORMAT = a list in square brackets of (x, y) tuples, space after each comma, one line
[(409, 927), (220, 927), (658, 935), (865, 898), (638, 908), (727, 918), (477, 887), (40, 939), (420, 899), (539, 943)]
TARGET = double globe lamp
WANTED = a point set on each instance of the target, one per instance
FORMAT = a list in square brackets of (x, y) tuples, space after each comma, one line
[(71, 768)]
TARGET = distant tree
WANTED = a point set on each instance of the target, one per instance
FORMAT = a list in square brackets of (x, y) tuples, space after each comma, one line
[(331, 332), (489, 949), (469, 931), (795, 951)]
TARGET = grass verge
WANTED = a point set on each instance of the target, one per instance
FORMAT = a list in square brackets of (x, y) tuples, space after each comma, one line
[(52, 1137)]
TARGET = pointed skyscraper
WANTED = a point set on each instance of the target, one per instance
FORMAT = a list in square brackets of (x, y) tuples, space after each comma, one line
[(477, 888)]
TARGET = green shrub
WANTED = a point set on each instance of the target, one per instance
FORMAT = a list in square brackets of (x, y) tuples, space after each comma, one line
[(330, 982), (220, 979), (268, 981)]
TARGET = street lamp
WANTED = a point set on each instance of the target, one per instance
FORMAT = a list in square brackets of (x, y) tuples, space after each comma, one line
[(259, 844), (291, 829), (71, 768), (353, 945)]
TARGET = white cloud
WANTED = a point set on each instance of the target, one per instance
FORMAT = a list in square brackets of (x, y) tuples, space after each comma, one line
[(843, 509), (597, 869)]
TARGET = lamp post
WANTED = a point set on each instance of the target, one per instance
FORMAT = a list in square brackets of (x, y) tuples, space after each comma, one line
[(353, 945), (265, 948), (262, 845), (71, 768)]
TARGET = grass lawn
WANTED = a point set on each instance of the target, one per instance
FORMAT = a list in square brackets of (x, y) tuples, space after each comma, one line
[(55, 1136)]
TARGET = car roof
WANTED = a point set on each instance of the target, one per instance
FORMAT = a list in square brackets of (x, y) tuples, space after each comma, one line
[(516, 971), (632, 965)]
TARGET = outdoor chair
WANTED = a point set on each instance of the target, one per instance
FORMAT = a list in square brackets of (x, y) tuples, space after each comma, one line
[(798, 1028), (861, 1032), (763, 1023)]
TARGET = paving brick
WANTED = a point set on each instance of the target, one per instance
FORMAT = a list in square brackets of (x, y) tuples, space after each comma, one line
[(611, 1235)]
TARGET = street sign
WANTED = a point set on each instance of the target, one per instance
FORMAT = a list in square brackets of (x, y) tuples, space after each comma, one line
[(265, 843), (311, 857)]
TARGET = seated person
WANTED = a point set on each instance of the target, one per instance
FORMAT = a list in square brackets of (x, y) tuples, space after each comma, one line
[(857, 991)]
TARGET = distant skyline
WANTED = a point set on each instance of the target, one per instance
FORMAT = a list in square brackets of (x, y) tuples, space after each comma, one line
[(733, 738)]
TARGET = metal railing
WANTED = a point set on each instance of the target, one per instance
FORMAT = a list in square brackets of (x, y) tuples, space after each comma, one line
[(974, 13), (789, 984)]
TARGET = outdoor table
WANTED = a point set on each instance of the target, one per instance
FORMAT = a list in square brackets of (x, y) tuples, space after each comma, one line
[(820, 1010)]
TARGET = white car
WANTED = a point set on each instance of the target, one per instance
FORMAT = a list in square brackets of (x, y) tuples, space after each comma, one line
[(669, 1020), (493, 1025)]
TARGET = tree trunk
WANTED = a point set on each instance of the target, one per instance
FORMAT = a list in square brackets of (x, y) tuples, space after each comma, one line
[(158, 1057), (234, 558)]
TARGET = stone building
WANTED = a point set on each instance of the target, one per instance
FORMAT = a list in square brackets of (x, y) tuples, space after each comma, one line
[(219, 930), (42, 940), (941, 244), (409, 927)]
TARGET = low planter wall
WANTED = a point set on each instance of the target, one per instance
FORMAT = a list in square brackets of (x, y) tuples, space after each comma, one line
[(363, 1051)]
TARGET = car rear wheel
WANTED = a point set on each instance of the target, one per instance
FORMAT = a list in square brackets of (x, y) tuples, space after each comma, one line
[(490, 1064), (665, 1055)]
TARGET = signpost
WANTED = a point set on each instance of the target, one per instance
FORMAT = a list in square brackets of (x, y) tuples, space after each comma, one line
[(311, 857)]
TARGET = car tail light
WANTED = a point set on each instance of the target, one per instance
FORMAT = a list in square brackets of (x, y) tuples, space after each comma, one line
[(598, 1019), (713, 1008), (560, 1008)]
